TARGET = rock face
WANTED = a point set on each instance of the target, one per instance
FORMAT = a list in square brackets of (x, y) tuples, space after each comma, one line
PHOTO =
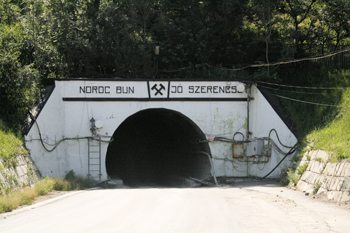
[(331, 180), (16, 173)]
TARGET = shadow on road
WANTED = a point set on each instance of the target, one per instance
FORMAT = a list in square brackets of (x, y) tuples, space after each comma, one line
[(223, 182)]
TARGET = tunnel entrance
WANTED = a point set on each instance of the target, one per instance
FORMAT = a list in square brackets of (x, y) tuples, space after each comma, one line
[(158, 147)]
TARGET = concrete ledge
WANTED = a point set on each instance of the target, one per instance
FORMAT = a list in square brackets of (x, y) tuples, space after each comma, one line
[(17, 173), (321, 177)]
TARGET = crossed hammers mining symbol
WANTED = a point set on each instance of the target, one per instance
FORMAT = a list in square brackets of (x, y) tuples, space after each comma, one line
[(158, 90)]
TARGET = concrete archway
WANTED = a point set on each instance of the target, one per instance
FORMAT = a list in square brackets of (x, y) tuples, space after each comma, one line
[(157, 147)]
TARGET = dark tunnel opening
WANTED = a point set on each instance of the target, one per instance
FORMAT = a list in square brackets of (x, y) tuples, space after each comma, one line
[(158, 147)]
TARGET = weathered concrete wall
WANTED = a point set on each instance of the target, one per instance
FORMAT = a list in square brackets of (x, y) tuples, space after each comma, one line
[(16, 173), (66, 118), (323, 178)]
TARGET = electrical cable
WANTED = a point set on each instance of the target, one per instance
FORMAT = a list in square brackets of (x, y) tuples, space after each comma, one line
[(277, 148), (261, 65), (238, 133), (301, 87), (42, 141), (62, 140), (184, 68), (306, 102), (291, 91), (278, 138), (289, 61), (291, 151), (203, 182), (223, 139)]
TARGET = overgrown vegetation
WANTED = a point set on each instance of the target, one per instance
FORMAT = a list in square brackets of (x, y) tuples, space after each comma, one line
[(335, 136), (324, 127), (10, 144), (15, 198), (294, 175), (45, 39)]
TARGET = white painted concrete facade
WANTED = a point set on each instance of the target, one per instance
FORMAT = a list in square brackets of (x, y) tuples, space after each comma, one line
[(218, 108)]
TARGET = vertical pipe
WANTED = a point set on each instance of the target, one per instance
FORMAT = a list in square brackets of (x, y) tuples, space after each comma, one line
[(99, 157), (248, 88), (89, 157)]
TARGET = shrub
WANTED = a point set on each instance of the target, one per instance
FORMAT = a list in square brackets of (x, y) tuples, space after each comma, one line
[(293, 177), (62, 185), (44, 186), (27, 196), (78, 182), (301, 169)]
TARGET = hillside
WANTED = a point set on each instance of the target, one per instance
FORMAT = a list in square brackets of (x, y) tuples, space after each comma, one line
[(335, 136), (11, 145)]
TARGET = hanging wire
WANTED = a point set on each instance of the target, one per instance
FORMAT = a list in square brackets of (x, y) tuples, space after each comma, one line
[(306, 102), (302, 87), (290, 152), (291, 91), (54, 146), (259, 65)]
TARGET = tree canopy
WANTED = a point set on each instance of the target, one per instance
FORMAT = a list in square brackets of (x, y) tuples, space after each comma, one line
[(45, 39)]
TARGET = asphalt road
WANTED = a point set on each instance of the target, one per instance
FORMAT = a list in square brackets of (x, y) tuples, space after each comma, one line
[(244, 208)]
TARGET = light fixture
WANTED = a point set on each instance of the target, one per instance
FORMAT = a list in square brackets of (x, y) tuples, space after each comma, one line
[(156, 50)]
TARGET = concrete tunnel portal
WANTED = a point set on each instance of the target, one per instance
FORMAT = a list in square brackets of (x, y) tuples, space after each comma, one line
[(150, 134), (158, 147)]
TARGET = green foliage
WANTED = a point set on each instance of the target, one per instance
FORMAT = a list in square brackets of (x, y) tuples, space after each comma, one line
[(70, 175), (293, 177), (18, 80), (44, 186), (15, 198), (306, 117), (316, 187), (44, 39), (77, 182), (320, 160), (11, 145), (63, 185), (334, 136), (301, 169), (294, 174)]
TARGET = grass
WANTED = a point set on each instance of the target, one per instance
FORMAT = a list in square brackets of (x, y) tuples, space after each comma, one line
[(333, 130), (335, 136), (11, 145), (26, 196), (316, 187), (294, 175)]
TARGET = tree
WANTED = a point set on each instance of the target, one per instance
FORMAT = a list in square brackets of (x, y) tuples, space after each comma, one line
[(18, 81)]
